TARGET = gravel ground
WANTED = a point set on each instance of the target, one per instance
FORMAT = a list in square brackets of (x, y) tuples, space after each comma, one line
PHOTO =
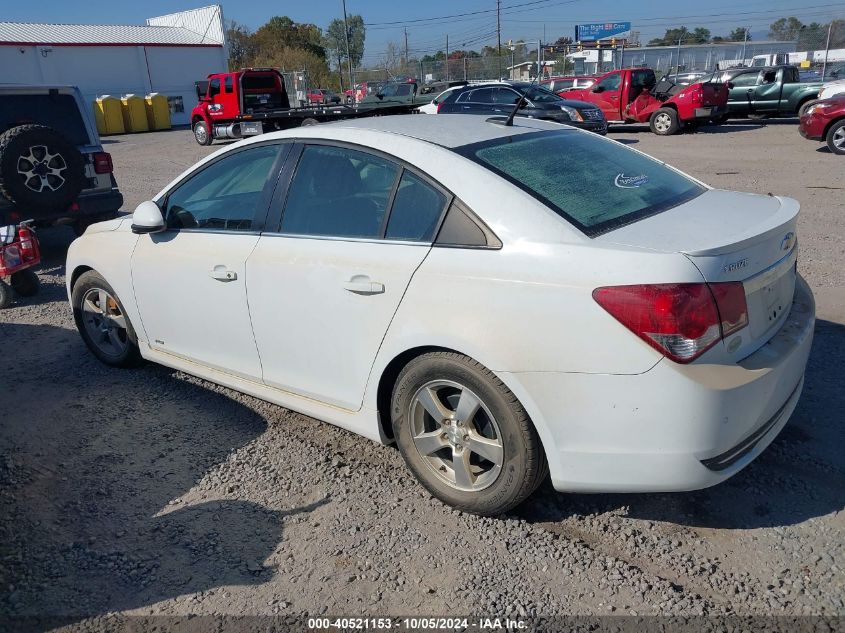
[(152, 492)]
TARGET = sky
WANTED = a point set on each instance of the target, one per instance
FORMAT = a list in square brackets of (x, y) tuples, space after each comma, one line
[(428, 22)]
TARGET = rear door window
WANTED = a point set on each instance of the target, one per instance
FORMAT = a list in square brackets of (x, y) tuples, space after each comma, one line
[(339, 192), (482, 95), (58, 111), (606, 187), (416, 210)]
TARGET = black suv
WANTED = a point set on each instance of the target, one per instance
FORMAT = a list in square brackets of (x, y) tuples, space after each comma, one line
[(52, 166), (500, 99)]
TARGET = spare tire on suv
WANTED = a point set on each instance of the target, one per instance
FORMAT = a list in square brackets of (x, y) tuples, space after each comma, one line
[(39, 169)]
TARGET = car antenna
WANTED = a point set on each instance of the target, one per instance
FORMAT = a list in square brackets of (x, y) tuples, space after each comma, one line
[(509, 121)]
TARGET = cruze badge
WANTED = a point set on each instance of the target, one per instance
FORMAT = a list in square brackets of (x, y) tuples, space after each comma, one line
[(788, 241), (630, 182), (742, 263)]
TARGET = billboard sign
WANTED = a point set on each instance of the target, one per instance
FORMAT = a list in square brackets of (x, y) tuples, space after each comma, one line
[(599, 31)]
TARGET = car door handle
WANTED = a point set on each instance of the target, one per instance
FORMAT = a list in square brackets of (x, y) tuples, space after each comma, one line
[(221, 273), (363, 286)]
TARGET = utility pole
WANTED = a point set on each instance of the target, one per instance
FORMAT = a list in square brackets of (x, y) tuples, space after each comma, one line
[(826, 48), (744, 42), (539, 63), (447, 57), (406, 51), (348, 56), (499, 35)]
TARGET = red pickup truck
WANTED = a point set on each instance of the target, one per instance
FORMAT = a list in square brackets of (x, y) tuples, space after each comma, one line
[(633, 95)]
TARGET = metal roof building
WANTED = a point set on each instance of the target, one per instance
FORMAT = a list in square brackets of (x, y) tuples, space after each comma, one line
[(167, 55)]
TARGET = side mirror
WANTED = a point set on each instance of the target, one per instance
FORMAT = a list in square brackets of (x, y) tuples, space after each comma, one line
[(730, 85), (147, 218), (598, 88)]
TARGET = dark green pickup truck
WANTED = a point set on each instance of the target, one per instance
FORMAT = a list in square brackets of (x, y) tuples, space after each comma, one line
[(771, 91)]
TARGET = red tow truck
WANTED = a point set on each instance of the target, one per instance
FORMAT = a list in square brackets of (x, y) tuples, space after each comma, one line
[(254, 101), (633, 95)]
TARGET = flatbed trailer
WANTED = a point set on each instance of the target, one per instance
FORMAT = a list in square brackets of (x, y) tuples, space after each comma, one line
[(254, 101)]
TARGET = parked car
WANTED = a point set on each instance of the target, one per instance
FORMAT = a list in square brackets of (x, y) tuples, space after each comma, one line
[(633, 95), (431, 106), (562, 84), (825, 121), (829, 89), (437, 87), (774, 91), (52, 165), (499, 98), (320, 96), (497, 301)]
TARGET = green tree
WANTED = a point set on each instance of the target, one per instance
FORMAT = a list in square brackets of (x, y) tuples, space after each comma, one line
[(282, 32), (738, 35), (335, 39), (785, 29), (241, 45), (700, 35), (671, 37)]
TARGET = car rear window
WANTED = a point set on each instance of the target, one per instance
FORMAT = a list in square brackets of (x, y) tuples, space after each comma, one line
[(260, 82), (58, 111), (595, 184)]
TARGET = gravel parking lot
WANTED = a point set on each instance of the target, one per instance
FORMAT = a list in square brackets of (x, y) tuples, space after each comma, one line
[(152, 492)]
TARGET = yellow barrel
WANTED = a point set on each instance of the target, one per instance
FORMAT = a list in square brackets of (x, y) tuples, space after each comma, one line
[(158, 112), (134, 113), (108, 115)]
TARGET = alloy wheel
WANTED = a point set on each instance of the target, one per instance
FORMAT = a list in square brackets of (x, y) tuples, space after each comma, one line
[(839, 138), (42, 169), (104, 322), (662, 122), (456, 435)]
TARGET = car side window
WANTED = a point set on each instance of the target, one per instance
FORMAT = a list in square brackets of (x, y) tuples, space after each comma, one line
[(227, 83), (214, 87), (482, 95), (506, 96), (339, 192), (745, 79), (416, 210), (611, 82), (225, 195)]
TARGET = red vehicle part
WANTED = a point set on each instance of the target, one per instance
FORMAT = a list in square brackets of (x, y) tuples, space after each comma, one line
[(633, 95), (24, 252), (825, 121)]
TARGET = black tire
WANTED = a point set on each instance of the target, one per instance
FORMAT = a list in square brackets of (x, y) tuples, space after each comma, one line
[(129, 354), (39, 169), (26, 283), (523, 463), (309, 121), (202, 135), (664, 122), (6, 295), (835, 138), (803, 107)]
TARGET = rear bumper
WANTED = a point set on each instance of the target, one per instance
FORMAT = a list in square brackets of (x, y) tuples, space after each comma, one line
[(708, 112), (94, 206), (674, 427)]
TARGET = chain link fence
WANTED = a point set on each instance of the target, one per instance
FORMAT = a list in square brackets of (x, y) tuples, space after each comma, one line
[(817, 50)]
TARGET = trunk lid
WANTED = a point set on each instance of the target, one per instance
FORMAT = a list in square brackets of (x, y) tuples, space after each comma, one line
[(731, 236)]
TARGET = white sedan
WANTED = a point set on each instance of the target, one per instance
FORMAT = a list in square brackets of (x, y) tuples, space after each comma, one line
[(502, 302)]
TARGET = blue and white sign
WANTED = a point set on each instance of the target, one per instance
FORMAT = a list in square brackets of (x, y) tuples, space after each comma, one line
[(599, 31)]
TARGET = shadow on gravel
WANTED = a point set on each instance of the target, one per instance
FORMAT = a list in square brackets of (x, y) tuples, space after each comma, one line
[(93, 463), (800, 476)]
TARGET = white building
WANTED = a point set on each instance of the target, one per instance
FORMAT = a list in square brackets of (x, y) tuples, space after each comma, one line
[(166, 55)]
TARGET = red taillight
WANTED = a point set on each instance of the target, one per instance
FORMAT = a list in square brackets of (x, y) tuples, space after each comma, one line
[(681, 321), (439, 105), (102, 163)]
